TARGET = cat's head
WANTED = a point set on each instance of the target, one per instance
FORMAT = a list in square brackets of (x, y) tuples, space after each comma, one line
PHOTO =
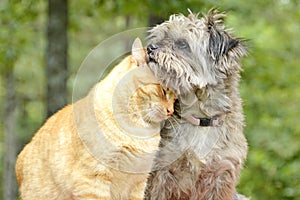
[(151, 104)]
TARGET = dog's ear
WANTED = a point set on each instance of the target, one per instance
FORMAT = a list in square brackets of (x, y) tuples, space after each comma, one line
[(138, 52), (221, 43)]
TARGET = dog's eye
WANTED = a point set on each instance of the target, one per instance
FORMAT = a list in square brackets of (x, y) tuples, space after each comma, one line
[(182, 44)]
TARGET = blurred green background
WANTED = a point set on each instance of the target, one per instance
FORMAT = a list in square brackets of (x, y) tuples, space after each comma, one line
[(270, 85)]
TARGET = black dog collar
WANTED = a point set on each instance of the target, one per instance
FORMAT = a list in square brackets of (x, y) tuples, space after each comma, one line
[(215, 121)]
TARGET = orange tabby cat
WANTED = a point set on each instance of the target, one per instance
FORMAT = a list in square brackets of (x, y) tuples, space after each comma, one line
[(102, 146)]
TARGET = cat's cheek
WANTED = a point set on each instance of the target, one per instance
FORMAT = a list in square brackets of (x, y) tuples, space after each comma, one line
[(161, 117)]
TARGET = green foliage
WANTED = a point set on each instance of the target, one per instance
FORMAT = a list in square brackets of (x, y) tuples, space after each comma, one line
[(269, 86), (21, 53), (269, 89)]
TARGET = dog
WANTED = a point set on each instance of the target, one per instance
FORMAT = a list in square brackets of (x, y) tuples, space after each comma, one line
[(203, 150)]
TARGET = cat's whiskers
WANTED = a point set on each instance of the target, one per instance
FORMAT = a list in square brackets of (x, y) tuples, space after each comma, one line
[(171, 123), (140, 111), (149, 116), (160, 110), (175, 120)]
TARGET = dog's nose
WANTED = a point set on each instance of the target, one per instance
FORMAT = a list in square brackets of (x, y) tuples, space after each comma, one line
[(151, 47)]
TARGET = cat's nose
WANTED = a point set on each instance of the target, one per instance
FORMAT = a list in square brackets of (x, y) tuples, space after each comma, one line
[(170, 112), (151, 48)]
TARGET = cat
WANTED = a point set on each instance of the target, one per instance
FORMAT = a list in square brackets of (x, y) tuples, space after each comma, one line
[(102, 146)]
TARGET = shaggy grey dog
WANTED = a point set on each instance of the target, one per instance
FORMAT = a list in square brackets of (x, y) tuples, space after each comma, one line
[(203, 148)]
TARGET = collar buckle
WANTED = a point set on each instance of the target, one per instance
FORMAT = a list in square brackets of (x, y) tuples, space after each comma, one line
[(215, 121)]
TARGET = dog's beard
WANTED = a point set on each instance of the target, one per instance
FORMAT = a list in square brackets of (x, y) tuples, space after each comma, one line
[(208, 56), (182, 72), (169, 70), (175, 71)]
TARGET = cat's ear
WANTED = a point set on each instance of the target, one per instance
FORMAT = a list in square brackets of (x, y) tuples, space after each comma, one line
[(138, 52)]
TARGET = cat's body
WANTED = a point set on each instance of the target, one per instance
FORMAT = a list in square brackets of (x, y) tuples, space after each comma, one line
[(85, 152)]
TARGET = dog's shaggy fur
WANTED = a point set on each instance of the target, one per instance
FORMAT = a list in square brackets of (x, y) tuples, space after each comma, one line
[(200, 60)]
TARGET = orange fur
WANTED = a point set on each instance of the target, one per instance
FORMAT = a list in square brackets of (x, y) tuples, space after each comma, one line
[(85, 151)]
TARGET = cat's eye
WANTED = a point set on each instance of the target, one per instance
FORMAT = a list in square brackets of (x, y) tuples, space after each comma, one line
[(164, 92)]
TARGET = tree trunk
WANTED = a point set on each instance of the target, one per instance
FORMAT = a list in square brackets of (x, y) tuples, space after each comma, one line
[(10, 188), (57, 56), (153, 20)]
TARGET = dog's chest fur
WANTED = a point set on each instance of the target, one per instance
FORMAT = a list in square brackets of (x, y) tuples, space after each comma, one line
[(199, 60), (192, 157)]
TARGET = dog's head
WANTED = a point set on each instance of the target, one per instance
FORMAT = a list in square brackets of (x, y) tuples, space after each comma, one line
[(191, 52)]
